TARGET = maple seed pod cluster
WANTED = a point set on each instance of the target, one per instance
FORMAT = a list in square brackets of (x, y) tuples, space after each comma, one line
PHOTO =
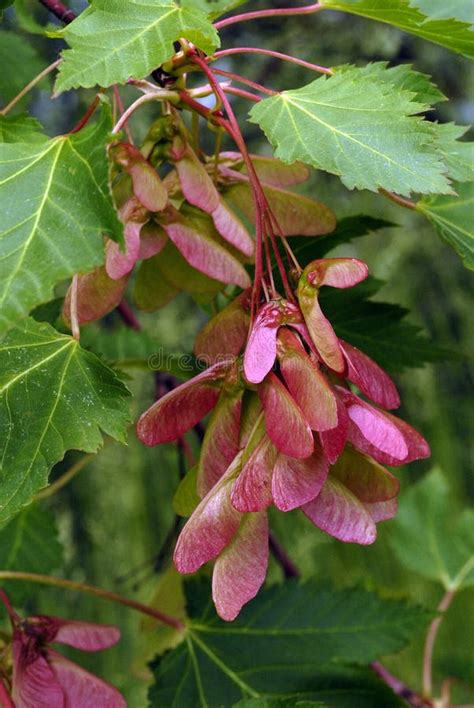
[(286, 429)]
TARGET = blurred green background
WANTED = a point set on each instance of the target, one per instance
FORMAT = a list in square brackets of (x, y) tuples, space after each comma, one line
[(115, 518)]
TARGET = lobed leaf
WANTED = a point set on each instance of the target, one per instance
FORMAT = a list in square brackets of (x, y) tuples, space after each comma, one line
[(452, 33), (56, 207), (452, 219), (112, 41), (358, 127), (269, 654), (54, 396)]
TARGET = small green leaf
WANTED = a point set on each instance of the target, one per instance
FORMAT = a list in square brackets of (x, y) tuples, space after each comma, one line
[(21, 129), (112, 41), (452, 217), (56, 207), (54, 396), (433, 536), (446, 9), (30, 543), (358, 127), (453, 34), (213, 8), (270, 653)]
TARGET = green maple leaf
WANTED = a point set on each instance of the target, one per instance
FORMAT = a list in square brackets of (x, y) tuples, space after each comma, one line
[(54, 396), (112, 41), (267, 653), (433, 536), (355, 125), (446, 9), (56, 207), (452, 217), (451, 33)]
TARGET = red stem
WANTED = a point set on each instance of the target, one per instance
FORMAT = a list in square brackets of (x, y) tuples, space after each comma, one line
[(59, 10), (262, 208), (289, 568), (242, 93), (271, 53), (86, 117), (243, 80), (128, 316), (260, 14)]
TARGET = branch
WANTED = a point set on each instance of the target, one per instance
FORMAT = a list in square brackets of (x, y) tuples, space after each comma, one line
[(59, 10), (92, 590), (430, 642), (289, 568), (399, 688), (260, 14)]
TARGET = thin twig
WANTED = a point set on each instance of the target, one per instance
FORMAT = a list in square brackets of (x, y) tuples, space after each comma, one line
[(289, 568), (261, 14), (121, 108), (30, 86), (242, 80), (241, 93), (87, 116), (430, 642), (128, 316), (92, 590), (271, 53), (399, 688), (401, 201), (75, 328), (59, 10)]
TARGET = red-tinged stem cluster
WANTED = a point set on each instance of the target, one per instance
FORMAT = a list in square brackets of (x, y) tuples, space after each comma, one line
[(261, 14)]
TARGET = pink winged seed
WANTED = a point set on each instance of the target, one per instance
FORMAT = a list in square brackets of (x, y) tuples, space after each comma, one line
[(285, 423), (336, 272), (82, 688), (240, 570), (97, 295), (211, 527), (252, 490), (296, 482), (339, 513), (369, 377), (261, 349), (334, 440), (207, 256), (307, 385), (179, 410), (221, 441), (147, 186), (119, 263), (226, 333), (232, 229), (365, 477)]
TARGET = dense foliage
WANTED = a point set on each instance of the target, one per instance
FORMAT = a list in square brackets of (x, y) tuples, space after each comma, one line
[(145, 208)]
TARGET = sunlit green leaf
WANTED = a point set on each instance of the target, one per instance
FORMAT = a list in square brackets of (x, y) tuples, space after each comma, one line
[(433, 536), (458, 155), (112, 41), (269, 652), (453, 219), (54, 396), (56, 208), (358, 127), (452, 34)]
